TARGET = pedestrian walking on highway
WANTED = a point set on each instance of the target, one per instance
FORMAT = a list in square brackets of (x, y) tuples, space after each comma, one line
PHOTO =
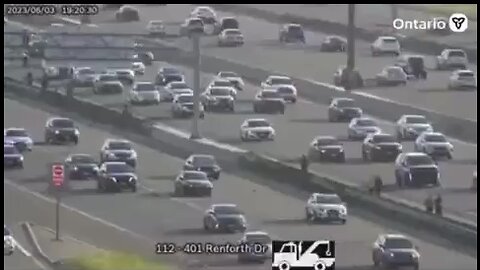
[(429, 204), (29, 78), (376, 188), (25, 59), (438, 205), (304, 163), (44, 83)]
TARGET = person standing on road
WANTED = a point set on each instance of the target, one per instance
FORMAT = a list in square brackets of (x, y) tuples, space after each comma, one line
[(304, 163), (25, 59), (429, 204), (438, 205)]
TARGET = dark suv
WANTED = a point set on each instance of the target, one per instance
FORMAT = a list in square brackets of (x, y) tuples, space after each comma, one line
[(291, 33), (61, 130), (416, 169), (116, 176), (413, 65)]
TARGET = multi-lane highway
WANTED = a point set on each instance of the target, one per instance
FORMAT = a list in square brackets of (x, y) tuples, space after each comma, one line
[(160, 217), (295, 130), (262, 50)]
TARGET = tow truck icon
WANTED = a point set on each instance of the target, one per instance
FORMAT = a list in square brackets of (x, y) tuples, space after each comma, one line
[(291, 255)]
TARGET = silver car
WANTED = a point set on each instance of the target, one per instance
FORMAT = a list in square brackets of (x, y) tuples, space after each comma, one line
[(359, 128), (182, 106), (19, 137), (434, 144), (410, 126), (462, 79), (174, 88), (118, 150)]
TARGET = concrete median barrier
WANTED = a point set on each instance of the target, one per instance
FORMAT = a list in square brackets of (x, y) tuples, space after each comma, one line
[(357, 198), (178, 144), (335, 28)]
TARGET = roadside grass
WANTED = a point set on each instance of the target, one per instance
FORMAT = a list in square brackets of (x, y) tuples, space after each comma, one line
[(109, 260)]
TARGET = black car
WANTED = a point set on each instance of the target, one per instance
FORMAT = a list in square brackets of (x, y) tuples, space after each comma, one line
[(395, 250), (224, 217), (116, 176), (333, 44), (291, 33), (127, 14), (228, 23), (343, 109), (204, 163), (413, 65), (61, 130), (11, 157), (218, 98), (193, 183), (380, 147), (166, 78), (269, 101), (326, 148), (80, 167), (416, 169)]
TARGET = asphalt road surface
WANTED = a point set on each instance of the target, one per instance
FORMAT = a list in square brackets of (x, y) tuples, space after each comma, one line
[(295, 130), (375, 17), (163, 218), (262, 50)]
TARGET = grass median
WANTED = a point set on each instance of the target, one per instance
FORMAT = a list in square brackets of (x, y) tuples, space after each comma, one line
[(108, 260)]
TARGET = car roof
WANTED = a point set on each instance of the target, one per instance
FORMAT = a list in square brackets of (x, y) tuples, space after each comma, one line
[(80, 154), (342, 98), (398, 236), (415, 154), (268, 90), (454, 50), (283, 86), (184, 95), (256, 119), (324, 194), (387, 37), (117, 140), (229, 18), (143, 83), (325, 138), (293, 25), (137, 63), (414, 116), (380, 134), (220, 80), (433, 134), (223, 205), (363, 118), (202, 155), (222, 87), (15, 128), (156, 21), (192, 171), (114, 163), (412, 56), (60, 118), (463, 71), (393, 68), (256, 233), (278, 77)]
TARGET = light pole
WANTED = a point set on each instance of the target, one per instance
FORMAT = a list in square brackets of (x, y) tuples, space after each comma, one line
[(351, 38), (195, 134)]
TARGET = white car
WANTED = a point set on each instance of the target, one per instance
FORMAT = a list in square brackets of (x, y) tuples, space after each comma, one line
[(124, 74), (230, 37), (192, 25), (463, 78), (233, 77), (84, 76), (410, 126), (107, 83), (385, 45), (9, 243), (222, 83), (391, 75), (203, 11), (326, 206), (276, 80), (452, 58), (19, 137), (138, 68), (174, 88), (118, 150), (257, 130), (434, 144), (360, 127), (256, 238), (287, 92), (144, 93), (156, 27), (182, 106), (218, 98)]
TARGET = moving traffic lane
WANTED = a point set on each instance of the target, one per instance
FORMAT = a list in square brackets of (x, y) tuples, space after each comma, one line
[(161, 218), (296, 129), (263, 50)]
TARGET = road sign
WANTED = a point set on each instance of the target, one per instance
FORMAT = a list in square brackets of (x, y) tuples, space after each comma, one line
[(57, 174)]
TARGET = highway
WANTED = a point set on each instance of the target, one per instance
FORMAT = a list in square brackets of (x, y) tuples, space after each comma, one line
[(295, 130), (160, 217), (374, 17), (262, 50)]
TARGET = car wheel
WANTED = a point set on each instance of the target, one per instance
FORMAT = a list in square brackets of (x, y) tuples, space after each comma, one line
[(294, 100), (134, 188), (449, 156), (344, 221), (232, 109), (341, 159), (20, 165)]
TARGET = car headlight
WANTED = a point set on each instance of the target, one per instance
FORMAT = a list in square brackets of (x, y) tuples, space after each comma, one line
[(21, 158), (132, 179), (391, 254), (113, 179), (415, 255), (57, 132), (134, 154), (8, 242), (377, 147), (323, 150), (77, 132), (410, 129), (410, 176), (75, 168), (360, 111), (320, 210), (450, 146), (343, 211), (341, 150), (111, 155), (400, 147), (430, 129)]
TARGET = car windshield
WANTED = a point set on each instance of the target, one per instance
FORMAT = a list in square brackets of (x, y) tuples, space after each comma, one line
[(227, 210), (119, 168), (173, 78), (220, 92), (383, 138), (119, 146), (419, 160), (328, 141), (396, 72), (416, 120), (222, 83), (233, 32), (6, 231), (9, 150), (435, 138), (328, 199), (285, 90), (178, 85), (156, 23), (344, 103), (85, 159), (228, 74), (144, 87), (108, 78), (295, 29), (258, 123), (63, 123), (396, 243), (456, 54), (195, 176), (203, 161), (185, 99), (366, 123), (137, 65), (415, 61), (259, 238), (389, 40), (230, 24), (170, 71), (270, 94), (275, 81), (466, 74), (182, 91), (196, 22), (16, 133), (86, 71)]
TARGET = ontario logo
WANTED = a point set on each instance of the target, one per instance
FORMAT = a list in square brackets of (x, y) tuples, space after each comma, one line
[(458, 23)]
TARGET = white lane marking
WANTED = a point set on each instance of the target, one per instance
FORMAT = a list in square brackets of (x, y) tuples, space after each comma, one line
[(21, 248)]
